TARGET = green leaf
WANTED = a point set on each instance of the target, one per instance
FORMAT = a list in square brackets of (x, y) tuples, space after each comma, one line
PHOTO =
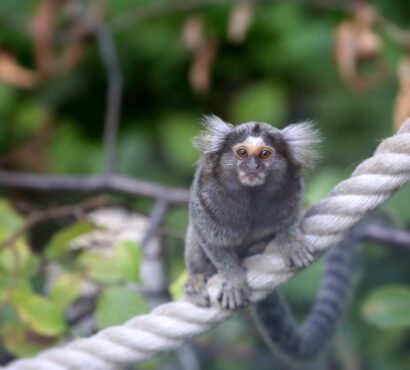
[(123, 265), (60, 241), (261, 102), (22, 342), (99, 267), (65, 290), (388, 307), (117, 305), (10, 220), (176, 288), (127, 259), (18, 259), (30, 117), (42, 315), (10, 282)]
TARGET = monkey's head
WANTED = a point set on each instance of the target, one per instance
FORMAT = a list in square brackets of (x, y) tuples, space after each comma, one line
[(256, 153)]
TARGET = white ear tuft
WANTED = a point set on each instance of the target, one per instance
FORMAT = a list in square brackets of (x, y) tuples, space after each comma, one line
[(302, 140), (214, 135)]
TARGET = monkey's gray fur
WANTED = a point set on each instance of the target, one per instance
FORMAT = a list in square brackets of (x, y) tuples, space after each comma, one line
[(241, 201)]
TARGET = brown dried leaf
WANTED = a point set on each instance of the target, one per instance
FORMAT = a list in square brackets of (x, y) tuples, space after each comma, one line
[(402, 103), (193, 32), (199, 74), (13, 73), (240, 20), (42, 28), (355, 40), (345, 52), (368, 44)]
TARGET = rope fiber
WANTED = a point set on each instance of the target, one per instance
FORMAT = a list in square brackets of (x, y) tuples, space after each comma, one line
[(170, 325)]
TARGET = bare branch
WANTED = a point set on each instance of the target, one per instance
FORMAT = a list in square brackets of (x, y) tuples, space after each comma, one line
[(111, 62), (387, 235), (93, 184), (157, 215)]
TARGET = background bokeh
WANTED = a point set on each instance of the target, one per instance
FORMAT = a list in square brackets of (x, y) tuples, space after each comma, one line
[(273, 61)]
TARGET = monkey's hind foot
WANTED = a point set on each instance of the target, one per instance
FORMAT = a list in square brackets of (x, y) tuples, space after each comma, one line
[(234, 294), (294, 250), (196, 290), (297, 255)]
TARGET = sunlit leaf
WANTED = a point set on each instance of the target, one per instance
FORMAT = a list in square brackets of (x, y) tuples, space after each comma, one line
[(61, 239), (388, 307), (117, 305), (124, 264), (99, 267), (65, 290), (18, 258), (10, 282), (42, 315), (22, 342), (127, 259), (10, 220), (176, 288)]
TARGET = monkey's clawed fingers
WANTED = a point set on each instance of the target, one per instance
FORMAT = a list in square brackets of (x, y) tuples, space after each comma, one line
[(196, 290), (300, 257), (234, 294)]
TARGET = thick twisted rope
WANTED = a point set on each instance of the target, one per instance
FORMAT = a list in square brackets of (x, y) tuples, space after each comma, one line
[(171, 324)]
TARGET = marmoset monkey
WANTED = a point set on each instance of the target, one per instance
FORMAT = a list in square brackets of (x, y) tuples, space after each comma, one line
[(246, 192)]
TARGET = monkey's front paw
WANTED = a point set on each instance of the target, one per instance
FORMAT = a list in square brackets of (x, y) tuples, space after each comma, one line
[(234, 294), (196, 290), (300, 257)]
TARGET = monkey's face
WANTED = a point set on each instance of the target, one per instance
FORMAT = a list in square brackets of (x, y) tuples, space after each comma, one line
[(255, 153), (253, 158)]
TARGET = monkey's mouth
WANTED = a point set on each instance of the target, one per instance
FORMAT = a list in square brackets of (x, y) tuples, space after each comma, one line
[(251, 179)]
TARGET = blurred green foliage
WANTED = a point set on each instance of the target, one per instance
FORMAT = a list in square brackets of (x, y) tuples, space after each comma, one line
[(284, 71)]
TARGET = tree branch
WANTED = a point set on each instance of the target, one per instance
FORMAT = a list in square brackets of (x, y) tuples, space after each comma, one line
[(111, 62), (92, 184), (387, 235)]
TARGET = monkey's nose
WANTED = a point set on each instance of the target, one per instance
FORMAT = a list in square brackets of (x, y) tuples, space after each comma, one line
[(253, 164)]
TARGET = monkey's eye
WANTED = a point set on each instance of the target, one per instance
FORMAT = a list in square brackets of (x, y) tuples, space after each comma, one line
[(242, 153), (265, 154)]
